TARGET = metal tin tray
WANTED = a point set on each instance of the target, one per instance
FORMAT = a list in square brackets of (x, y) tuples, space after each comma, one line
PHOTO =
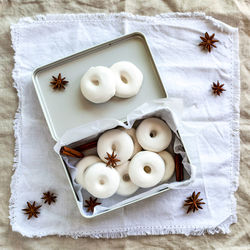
[(127, 200), (76, 109)]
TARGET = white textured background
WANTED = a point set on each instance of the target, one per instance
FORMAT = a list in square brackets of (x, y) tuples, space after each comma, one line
[(234, 13)]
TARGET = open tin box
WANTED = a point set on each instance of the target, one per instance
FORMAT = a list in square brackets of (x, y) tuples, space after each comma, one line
[(78, 111)]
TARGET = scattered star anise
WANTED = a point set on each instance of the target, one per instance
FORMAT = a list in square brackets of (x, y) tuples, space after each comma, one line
[(58, 82), (217, 88), (91, 203), (208, 42), (49, 197), (112, 159), (193, 202), (32, 210)]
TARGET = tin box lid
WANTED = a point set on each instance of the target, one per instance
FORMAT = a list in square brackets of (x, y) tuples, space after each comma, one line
[(68, 108)]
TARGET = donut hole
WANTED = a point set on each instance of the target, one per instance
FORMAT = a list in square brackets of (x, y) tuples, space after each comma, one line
[(101, 182), (95, 82), (126, 177), (124, 79), (147, 169), (153, 134)]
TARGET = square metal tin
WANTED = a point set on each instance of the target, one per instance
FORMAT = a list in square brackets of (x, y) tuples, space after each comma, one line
[(77, 110)]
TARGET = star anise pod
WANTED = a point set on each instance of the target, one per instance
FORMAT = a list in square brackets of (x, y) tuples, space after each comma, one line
[(208, 42), (91, 203), (32, 210), (112, 159), (58, 82), (49, 197), (217, 88), (193, 202)]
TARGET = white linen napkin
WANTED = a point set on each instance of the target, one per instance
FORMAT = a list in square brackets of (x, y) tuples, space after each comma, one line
[(211, 122)]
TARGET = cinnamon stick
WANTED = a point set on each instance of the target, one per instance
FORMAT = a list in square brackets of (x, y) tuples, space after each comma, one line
[(179, 174), (71, 152), (86, 146)]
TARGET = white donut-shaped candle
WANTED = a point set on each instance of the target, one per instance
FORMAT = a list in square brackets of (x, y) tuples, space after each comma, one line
[(101, 181), (169, 165), (131, 132), (128, 79), (116, 141), (82, 165), (126, 186), (146, 169), (153, 134), (98, 84)]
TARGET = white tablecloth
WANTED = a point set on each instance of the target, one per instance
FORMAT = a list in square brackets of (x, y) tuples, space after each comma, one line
[(186, 72)]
